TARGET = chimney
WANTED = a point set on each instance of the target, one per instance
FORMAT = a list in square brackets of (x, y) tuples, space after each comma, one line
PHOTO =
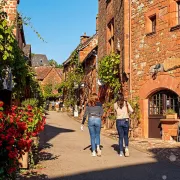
[(84, 38), (97, 23)]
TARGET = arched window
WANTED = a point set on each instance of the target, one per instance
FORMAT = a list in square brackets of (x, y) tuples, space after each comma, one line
[(163, 100)]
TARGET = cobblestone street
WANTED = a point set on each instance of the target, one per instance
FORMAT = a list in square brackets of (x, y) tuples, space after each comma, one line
[(65, 155)]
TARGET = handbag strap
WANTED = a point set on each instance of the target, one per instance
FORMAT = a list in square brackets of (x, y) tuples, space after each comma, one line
[(127, 107)]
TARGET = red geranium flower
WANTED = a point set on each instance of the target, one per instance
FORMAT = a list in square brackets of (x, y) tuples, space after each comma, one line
[(29, 107), (1, 115), (11, 170), (1, 104)]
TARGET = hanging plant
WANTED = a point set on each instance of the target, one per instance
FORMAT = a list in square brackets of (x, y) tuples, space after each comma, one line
[(109, 71)]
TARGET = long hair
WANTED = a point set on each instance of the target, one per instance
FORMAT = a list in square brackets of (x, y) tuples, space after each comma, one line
[(120, 100), (93, 100)]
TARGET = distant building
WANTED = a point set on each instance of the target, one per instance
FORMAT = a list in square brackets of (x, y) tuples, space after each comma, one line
[(39, 60), (48, 75)]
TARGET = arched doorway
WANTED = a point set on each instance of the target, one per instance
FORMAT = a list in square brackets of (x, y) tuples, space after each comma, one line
[(158, 103)]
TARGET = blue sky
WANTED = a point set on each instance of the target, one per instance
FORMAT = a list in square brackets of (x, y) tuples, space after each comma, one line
[(60, 23)]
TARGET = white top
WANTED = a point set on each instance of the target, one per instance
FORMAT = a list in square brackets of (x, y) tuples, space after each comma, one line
[(122, 113)]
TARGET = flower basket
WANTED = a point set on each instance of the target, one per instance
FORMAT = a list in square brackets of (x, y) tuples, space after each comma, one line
[(171, 116)]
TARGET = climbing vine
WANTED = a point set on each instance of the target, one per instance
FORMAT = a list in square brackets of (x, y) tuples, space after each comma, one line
[(13, 61), (71, 85), (109, 71)]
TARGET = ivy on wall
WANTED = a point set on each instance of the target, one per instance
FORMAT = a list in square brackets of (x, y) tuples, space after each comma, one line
[(108, 71), (12, 57), (74, 77)]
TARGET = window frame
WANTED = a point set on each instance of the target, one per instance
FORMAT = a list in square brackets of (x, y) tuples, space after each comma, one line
[(159, 102), (153, 23)]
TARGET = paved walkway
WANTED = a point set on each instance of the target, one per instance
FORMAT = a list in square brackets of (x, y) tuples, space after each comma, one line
[(66, 156)]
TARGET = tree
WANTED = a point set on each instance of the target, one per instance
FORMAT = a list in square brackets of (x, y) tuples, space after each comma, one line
[(52, 62)]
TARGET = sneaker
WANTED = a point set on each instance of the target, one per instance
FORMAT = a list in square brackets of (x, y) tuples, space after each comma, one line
[(98, 152), (93, 154), (121, 154), (126, 152)]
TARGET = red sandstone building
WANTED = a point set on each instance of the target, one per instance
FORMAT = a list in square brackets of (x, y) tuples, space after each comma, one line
[(147, 36), (88, 58)]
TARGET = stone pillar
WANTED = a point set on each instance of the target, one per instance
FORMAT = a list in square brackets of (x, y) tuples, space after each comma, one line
[(11, 9)]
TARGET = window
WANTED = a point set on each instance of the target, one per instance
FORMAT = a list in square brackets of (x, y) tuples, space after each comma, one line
[(153, 23), (108, 1), (110, 36), (161, 101), (174, 15)]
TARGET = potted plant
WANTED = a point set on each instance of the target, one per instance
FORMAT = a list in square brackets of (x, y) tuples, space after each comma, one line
[(170, 114)]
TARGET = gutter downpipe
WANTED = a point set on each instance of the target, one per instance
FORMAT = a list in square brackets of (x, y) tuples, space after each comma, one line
[(130, 76), (95, 54)]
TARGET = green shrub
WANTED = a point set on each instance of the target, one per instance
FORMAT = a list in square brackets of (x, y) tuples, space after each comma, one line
[(32, 101)]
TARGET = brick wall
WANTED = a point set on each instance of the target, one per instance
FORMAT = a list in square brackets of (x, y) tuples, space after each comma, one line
[(114, 9), (151, 49), (141, 50), (11, 9)]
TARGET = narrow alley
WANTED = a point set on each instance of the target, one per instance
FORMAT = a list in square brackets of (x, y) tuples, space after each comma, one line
[(67, 156)]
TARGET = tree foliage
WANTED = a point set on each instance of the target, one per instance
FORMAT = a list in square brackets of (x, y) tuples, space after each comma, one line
[(54, 63)]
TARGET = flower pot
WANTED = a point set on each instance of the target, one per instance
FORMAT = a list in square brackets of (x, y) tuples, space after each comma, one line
[(35, 140), (24, 161), (171, 116)]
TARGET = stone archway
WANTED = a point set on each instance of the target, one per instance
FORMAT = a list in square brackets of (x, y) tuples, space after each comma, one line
[(162, 82)]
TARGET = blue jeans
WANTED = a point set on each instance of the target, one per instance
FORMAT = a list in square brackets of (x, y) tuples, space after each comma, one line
[(94, 125), (122, 126)]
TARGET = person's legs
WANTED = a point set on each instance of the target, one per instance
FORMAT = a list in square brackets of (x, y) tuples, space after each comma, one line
[(91, 127), (126, 139), (97, 134), (121, 135)]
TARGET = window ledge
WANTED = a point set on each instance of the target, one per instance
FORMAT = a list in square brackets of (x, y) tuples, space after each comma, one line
[(150, 34), (175, 27)]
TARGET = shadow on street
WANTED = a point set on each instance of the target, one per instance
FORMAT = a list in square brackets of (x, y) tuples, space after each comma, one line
[(164, 168), (51, 132)]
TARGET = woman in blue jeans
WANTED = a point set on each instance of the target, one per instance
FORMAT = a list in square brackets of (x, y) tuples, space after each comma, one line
[(94, 111), (122, 109)]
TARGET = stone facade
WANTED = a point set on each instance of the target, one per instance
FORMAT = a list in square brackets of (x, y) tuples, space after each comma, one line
[(12, 15), (146, 34), (11, 9), (88, 58)]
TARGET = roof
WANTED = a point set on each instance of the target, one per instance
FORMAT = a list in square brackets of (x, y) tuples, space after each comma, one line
[(27, 50), (80, 47), (87, 42), (69, 59), (39, 60), (89, 48), (42, 71), (59, 71)]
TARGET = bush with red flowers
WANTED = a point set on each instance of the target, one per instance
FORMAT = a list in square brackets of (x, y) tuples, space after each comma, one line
[(17, 127)]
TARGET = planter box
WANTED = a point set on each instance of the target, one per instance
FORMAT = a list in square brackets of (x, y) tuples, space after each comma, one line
[(24, 161), (171, 116)]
